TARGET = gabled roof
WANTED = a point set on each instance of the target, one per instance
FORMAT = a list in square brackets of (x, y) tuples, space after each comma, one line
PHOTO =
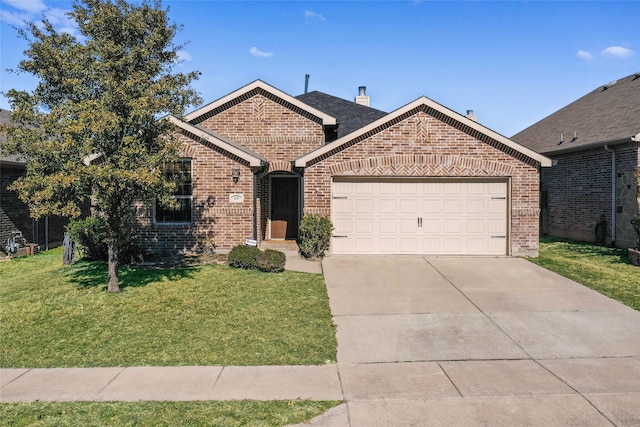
[(432, 108), (262, 88), (609, 114), (351, 116), (254, 159)]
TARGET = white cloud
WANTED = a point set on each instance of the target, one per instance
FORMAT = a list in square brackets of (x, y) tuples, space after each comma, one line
[(617, 52), (257, 52), (310, 14), (16, 19), (583, 54), (31, 6), (33, 11)]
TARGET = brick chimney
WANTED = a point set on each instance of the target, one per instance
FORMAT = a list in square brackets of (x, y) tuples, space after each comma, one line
[(362, 97)]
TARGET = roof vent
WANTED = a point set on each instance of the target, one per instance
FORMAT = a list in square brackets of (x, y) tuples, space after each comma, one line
[(362, 97), (609, 85), (636, 76)]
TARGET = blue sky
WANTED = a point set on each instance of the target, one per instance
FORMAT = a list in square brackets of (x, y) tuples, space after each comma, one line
[(511, 62)]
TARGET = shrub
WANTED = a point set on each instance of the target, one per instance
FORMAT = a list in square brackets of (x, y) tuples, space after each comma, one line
[(315, 236), (90, 234), (271, 261), (243, 256), (635, 223)]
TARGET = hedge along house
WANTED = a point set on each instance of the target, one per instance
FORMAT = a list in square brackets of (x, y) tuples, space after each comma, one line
[(594, 145), (420, 180)]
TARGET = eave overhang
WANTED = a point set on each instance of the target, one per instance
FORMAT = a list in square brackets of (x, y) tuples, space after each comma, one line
[(620, 141)]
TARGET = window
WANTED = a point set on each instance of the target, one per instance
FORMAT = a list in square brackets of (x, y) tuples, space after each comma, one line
[(179, 171)]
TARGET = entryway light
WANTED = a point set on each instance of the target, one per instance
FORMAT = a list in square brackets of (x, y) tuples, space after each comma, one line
[(235, 174)]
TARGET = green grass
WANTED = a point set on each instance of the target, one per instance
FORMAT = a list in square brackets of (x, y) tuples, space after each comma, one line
[(244, 413), (61, 316), (606, 270)]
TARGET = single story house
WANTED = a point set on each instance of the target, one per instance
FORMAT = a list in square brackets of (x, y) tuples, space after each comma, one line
[(591, 192), (14, 214), (422, 179)]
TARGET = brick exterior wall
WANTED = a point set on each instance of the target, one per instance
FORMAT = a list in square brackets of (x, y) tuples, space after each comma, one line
[(265, 127), (422, 146), (416, 145), (579, 190), (14, 216)]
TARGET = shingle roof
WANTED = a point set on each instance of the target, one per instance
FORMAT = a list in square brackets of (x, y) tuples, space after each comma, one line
[(5, 119), (610, 113), (350, 115)]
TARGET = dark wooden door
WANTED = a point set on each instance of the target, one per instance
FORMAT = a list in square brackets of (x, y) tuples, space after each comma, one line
[(284, 207)]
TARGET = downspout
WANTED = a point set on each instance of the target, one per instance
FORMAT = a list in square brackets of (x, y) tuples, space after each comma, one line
[(613, 194), (255, 207)]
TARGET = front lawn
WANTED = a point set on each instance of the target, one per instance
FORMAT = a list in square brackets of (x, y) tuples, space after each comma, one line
[(120, 414), (606, 270), (61, 316)]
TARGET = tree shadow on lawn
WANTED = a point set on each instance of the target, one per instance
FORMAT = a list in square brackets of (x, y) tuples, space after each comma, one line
[(91, 274)]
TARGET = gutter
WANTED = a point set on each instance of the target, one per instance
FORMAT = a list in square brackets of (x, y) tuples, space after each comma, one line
[(613, 194), (625, 140)]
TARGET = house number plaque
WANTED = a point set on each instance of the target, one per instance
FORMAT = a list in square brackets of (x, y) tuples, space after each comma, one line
[(236, 198)]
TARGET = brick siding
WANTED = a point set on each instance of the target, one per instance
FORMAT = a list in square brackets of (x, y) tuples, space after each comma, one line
[(14, 216), (260, 124), (578, 190)]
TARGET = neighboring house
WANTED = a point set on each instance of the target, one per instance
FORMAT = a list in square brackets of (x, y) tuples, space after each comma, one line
[(419, 180), (14, 214), (594, 146)]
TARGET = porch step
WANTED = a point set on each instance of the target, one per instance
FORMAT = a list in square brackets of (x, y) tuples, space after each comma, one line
[(280, 245)]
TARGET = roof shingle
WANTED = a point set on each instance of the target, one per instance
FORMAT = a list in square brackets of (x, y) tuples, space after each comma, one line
[(607, 114), (350, 115)]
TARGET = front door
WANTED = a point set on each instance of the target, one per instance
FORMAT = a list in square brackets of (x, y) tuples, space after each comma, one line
[(284, 207)]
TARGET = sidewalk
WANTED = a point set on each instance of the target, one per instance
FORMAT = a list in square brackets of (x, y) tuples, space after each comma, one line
[(180, 383)]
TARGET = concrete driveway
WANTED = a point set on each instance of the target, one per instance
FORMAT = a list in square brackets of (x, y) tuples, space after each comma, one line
[(478, 342)]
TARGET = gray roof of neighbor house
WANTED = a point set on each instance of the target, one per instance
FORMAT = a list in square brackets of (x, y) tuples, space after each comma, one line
[(609, 114), (351, 116), (5, 119)]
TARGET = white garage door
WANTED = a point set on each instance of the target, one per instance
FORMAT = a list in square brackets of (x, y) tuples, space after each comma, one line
[(447, 217)]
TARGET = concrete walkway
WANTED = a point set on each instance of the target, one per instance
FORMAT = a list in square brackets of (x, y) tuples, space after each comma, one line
[(421, 341)]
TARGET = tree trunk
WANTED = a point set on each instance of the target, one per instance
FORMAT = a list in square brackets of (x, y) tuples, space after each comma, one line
[(114, 269)]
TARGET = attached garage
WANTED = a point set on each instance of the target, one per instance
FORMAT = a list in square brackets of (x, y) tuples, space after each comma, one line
[(425, 180), (420, 216)]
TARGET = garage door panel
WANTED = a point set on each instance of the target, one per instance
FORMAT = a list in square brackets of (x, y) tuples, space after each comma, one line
[(364, 188), (476, 207), (364, 206), (452, 226), (343, 226), (388, 225), (408, 245), (364, 225), (364, 245), (388, 245), (429, 217), (407, 225), (453, 206), (387, 206)]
